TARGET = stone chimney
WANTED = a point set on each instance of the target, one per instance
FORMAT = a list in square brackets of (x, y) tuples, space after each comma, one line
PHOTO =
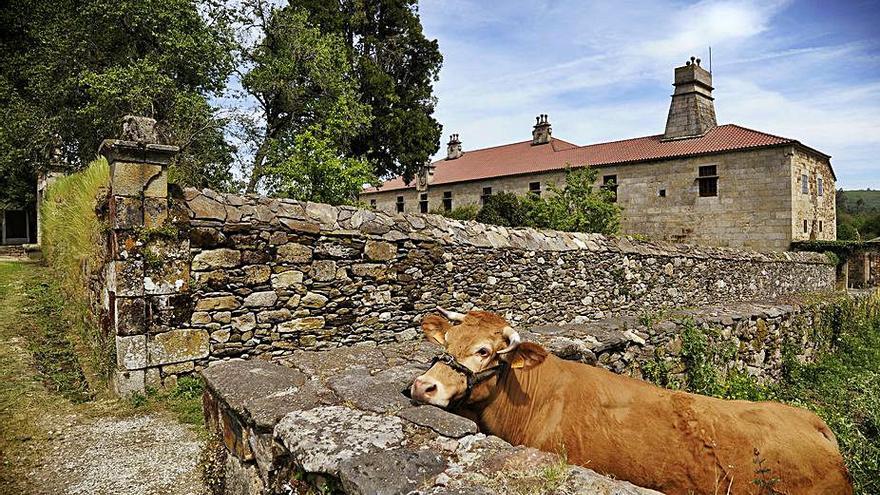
[(542, 131), (692, 111), (453, 147)]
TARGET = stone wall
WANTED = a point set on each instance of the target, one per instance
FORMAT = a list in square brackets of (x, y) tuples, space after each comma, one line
[(268, 415), (198, 276), (817, 210), (753, 209)]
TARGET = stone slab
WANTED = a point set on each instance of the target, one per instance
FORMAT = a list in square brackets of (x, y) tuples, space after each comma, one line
[(176, 346)]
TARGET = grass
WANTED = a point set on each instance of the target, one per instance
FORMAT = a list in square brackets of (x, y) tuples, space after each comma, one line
[(184, 401), (73, 243), (842, 385), (39, 375), (42, 377)]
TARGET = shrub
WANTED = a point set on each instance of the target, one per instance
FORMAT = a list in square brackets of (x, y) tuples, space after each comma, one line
[(577, 206), (505, 209), (465, 212)]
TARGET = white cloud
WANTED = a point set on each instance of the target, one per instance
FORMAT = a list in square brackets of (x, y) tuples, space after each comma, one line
[(603, 71)]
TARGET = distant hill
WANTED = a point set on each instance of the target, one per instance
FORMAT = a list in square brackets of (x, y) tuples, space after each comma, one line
[(870, 198)]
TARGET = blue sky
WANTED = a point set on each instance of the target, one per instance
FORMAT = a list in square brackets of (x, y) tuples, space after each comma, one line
[(807, 70)]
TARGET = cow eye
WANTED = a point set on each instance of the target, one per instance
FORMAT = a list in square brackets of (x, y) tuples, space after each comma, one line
[(483, 352)]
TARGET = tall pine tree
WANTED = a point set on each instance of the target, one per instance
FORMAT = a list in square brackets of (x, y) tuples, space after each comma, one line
[(395, 67)]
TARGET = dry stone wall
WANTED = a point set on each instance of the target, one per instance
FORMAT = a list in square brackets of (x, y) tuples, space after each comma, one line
[(198, 276), (272, 275)]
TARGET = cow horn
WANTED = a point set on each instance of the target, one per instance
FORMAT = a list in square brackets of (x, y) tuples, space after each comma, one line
[(451, 315), (513, 339)]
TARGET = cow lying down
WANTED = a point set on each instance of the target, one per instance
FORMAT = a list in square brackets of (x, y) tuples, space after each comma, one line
[(674, 442)]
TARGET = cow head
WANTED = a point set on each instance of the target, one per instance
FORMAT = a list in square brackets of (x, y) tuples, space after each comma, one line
[(478, 341)]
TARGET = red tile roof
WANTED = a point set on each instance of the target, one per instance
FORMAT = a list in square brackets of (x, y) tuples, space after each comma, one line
[(523, 158)]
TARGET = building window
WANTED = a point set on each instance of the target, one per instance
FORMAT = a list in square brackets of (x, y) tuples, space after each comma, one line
[(373, 204), (423, 202), (447, 200), (805, 184), (609, 183), (535, 189), (805, 227), (820, 188), (708, 179), (400, 204), (487, 193), (661, 193), (820, 225)]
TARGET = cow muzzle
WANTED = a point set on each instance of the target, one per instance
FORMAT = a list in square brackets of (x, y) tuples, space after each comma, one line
[(428, 390)]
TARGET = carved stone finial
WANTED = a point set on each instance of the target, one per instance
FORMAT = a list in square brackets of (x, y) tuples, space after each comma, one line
[(139, 129)]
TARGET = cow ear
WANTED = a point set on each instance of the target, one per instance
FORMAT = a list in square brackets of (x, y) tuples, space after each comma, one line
[(435, 328), (527, 355)]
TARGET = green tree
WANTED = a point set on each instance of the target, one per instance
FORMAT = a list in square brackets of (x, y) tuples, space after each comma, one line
[(577, 206), (847, 232), (307, 100), (69, 70), (395, 66), (505, 209)]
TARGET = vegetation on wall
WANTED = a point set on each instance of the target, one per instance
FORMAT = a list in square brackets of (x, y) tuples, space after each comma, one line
[(841, 385), (73, 245)]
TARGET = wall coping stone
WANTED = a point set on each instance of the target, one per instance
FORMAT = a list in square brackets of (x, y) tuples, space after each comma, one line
[(133, 151), (264, 212), (341, 413)]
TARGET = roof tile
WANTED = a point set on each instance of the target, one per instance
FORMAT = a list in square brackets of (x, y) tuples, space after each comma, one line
[(523, 158)]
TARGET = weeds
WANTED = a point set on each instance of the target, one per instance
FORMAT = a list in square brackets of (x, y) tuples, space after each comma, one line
[(841, 385), (764, 479), (184, 400)]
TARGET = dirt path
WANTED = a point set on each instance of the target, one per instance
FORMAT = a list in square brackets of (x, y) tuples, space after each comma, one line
[(51, 445)]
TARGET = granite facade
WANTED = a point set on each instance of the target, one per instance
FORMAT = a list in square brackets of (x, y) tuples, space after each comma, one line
[(759, 202)]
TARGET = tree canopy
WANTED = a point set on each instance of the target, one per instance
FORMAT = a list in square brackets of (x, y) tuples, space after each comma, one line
[(393, 67), (307, 99), (343, 89), (69, 70)]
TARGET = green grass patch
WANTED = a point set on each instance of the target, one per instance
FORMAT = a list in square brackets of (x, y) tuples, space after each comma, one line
[(73, 243), (48, 327), (184, 401)]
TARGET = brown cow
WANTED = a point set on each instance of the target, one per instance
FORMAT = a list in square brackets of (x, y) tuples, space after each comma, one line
[(674, 442)]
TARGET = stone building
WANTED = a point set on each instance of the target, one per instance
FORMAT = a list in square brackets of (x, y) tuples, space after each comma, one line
[(698, 182)]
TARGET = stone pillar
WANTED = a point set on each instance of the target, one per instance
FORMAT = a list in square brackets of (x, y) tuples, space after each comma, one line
[(138, 206)]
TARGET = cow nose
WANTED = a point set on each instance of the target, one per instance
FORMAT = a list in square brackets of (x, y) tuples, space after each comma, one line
[(423, 388)]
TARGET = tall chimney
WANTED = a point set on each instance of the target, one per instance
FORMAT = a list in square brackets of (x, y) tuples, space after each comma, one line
[(692, 111), (453, 147), (542, 130)]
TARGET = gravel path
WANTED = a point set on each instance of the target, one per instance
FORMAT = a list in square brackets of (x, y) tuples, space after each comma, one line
[(51, 446), (140, 455)]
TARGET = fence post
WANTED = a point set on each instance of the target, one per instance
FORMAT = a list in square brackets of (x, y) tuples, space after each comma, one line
[(138, 203)]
